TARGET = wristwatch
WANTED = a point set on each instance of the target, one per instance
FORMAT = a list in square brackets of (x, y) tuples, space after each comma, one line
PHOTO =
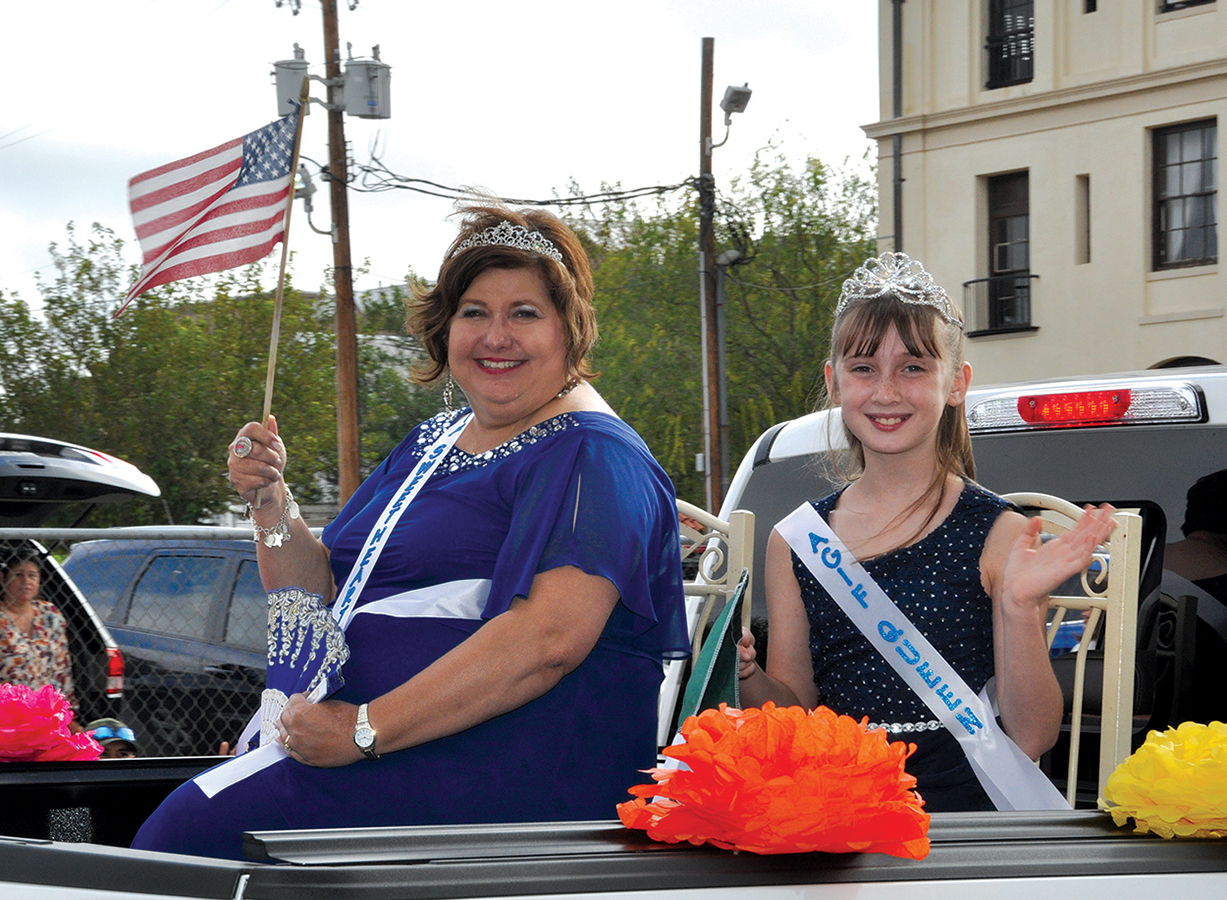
[(364, 734)]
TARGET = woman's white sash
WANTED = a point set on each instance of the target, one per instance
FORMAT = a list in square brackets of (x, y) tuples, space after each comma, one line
[(1011, 780), (377, 539), (342, 610)]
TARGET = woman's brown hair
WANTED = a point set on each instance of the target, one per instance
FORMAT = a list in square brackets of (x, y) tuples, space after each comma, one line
[(568, 283)]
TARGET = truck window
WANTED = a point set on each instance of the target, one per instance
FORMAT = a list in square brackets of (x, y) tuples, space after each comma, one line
[(102, 578), (247, 619), (174, 595)]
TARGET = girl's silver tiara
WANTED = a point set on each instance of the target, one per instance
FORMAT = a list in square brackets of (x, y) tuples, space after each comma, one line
[(899, 275), (504, 234)]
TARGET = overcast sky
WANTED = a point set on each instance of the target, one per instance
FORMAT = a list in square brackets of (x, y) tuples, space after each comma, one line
[(515, 97)]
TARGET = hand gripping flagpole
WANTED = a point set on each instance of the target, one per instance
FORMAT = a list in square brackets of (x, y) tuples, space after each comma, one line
[(303, 98)]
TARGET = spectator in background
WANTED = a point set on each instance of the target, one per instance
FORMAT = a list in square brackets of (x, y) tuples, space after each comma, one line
[(33, 633), (117, 739), (1199, 564), (1202, 556)]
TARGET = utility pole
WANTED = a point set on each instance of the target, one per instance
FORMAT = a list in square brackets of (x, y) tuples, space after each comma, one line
[(343, 276), (713, 456)]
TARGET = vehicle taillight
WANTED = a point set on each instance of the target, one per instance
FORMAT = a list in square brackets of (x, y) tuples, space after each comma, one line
[(1079, 408), (115, 672), (1098, 403)]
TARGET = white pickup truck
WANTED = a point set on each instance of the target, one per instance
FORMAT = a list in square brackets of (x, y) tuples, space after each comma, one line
[(1160, 431)]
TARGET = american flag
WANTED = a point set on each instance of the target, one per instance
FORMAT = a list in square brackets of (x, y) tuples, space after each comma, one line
[(215, 210)]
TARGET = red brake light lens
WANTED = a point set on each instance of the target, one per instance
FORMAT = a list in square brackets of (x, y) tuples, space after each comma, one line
[(115, 672), (1074, 409)]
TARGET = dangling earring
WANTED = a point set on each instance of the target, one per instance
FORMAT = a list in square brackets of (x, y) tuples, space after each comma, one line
[(448, 387)]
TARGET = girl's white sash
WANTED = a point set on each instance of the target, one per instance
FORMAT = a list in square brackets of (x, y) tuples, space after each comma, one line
[(1011, 780)]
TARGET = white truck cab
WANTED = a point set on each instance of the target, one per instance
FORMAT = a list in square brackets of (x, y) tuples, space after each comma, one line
[(1123, 438)]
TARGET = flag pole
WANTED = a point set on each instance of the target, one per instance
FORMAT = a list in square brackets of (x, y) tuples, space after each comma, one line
[(285, 253), (303, 98)]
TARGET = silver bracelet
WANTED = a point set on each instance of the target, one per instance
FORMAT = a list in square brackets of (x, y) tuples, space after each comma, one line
[(279, 533)]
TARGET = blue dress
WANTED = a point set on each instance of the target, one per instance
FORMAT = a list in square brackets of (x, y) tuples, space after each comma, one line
[(581, 489), (936, 583)]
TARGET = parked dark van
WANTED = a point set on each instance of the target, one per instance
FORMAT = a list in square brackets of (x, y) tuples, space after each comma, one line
[(191, 617)]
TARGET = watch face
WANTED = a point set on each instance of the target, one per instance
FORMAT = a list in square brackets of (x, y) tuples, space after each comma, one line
[(364, 737)]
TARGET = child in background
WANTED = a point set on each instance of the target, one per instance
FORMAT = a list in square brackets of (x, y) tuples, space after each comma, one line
[(117, 739)]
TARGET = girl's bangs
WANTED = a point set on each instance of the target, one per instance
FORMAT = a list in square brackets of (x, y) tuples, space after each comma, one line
[(865, 326)]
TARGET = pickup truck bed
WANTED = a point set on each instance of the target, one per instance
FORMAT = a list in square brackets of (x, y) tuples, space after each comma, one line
[(103, 801), (973, 855)]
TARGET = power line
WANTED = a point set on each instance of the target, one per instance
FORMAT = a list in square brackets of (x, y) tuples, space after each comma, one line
[(377, 177), (835, 279)]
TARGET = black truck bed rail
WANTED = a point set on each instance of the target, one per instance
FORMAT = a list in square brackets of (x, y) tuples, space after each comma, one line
[(603, 858)]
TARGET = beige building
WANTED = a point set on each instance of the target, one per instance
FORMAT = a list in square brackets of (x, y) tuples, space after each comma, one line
[(1054, 164)]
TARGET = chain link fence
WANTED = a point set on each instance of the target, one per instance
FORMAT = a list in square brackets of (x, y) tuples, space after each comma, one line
[(167, 627), (184, 609)]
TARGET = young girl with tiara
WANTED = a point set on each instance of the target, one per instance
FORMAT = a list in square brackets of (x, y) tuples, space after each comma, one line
[(960, 565)]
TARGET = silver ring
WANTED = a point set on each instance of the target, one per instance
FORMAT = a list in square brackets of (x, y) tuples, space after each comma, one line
[(241, 446)]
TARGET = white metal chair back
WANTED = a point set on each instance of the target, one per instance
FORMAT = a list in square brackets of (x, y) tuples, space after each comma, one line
[(1111, 595), (724, 549)]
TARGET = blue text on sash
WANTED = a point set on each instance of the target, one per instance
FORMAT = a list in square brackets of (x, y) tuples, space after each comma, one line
[(912, 657), (831, 558)]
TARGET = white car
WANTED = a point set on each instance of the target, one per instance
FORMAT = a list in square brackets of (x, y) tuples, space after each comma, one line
[(40, 475)]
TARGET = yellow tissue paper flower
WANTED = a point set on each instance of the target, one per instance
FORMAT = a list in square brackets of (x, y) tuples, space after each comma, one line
[(1175, 785)]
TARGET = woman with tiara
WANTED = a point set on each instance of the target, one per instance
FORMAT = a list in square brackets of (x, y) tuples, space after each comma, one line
[(504, 585)]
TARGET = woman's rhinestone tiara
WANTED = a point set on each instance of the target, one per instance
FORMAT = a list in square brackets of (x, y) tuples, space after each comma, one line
[(504, 234), (903, 277)]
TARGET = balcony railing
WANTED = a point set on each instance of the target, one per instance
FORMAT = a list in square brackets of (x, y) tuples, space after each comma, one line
[(999, 304)]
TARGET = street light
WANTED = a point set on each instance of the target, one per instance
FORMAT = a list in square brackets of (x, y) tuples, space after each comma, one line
[(735, 100)]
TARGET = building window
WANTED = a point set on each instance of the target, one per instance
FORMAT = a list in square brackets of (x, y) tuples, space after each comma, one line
[(1009, 267), (1082, 219), (1185, 225), (1173, 5), (1011, 40)]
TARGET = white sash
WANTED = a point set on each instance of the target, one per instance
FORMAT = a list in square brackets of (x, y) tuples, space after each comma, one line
[(1011, 780), (343, 609), (465, 599)]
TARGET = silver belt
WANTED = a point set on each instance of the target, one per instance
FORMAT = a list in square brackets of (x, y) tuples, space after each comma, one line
[(906, 727)]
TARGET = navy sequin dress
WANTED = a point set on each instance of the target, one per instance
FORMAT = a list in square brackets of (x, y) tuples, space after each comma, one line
[(936, 583)]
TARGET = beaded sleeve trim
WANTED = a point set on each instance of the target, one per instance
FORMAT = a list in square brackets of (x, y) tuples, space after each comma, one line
[(300, 625)]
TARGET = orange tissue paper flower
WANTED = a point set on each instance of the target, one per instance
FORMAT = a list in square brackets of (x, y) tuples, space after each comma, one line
[(780, 780), (34, 727), (1174, 785)]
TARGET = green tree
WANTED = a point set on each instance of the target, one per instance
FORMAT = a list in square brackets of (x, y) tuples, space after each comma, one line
[(801, 229), (166, 384), (389, 403)]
